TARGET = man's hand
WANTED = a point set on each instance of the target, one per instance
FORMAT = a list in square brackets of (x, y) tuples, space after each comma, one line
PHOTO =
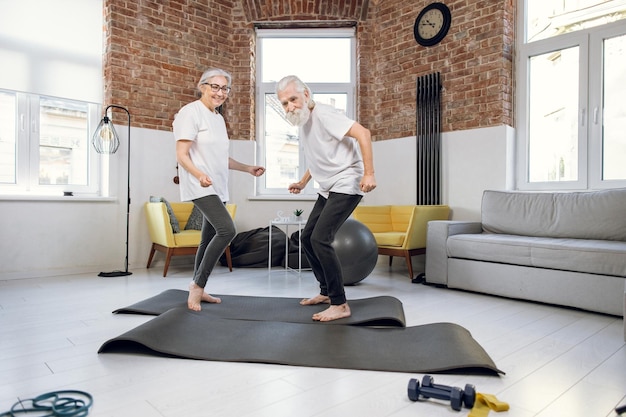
[(368, 183), (295, 188), (257, 171)]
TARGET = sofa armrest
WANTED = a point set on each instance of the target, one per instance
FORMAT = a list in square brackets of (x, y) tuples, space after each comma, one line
[(437, 246)]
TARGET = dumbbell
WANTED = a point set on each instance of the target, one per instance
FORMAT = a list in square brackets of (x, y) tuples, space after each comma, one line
[(455, 395)]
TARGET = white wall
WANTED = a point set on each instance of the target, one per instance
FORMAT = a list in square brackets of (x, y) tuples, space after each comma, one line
[(474, 161), (69, 235)]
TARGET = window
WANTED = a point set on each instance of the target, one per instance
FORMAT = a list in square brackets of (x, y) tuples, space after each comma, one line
[(45, 146), (325, 60), (571, 78)]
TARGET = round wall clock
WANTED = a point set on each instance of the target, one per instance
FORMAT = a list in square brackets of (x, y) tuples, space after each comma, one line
[(432, 24)]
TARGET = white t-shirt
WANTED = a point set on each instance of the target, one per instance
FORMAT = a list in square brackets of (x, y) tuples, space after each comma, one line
[(209, 151), (334, 160)]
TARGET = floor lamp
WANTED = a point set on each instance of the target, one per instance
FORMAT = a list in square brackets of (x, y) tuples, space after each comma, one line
[(106, 141)]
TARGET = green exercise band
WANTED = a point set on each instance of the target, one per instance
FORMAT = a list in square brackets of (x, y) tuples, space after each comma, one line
[(58, 403)]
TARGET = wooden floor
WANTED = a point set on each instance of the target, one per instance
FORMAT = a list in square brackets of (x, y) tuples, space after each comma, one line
[(558, 362)]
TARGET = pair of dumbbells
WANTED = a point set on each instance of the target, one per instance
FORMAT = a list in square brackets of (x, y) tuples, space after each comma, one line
[(455, 395)]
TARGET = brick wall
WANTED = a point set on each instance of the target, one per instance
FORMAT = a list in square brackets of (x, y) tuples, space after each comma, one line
[(155, 51)]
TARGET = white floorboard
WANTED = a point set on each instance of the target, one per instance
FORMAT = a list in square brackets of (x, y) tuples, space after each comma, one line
[(558, 361)]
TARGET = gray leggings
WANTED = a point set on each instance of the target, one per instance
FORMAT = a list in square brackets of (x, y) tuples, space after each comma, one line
[(218, 230)]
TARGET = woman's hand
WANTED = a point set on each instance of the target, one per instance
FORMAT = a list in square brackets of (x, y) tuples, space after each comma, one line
[(205, 181)]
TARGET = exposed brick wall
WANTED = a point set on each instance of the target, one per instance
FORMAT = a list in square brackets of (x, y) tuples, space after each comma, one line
[(155, 51)]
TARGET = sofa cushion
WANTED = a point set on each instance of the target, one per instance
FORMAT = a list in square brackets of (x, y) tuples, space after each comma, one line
[(389, 238), (194, 222), (591, 256), (579, 215), (170, 212), (187, 238)]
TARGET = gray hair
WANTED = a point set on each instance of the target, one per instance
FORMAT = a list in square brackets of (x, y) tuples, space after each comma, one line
[(214, 72), (301, 87)]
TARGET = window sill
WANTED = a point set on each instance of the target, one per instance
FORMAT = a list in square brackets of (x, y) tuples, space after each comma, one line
[(74, 198), (284, 197)]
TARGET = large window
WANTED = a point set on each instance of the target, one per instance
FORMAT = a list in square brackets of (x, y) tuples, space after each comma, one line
[(322, 58), (571, 84), (45, 146), (44, 139)]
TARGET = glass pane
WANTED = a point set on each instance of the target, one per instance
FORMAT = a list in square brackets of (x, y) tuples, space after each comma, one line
[(281, 146), (282, 149), (63, 143), (548, 18), (338, 101), (614, 138), (553, 122), (8, 133), (314, 60)]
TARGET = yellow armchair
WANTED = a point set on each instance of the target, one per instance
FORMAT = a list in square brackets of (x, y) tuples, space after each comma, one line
[(400, 230), (164, 239)]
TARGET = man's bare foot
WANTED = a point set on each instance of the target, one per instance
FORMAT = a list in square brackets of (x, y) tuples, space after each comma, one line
[(318, 299), (197, 295), (333, 313)]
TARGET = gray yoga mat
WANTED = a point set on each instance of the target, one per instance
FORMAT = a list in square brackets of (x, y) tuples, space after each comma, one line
[(180, 332), (374, 311)]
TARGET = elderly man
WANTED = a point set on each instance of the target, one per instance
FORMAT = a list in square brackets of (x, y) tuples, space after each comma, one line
[(338, 152)]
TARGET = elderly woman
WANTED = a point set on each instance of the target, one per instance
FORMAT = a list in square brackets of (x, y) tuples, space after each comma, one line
[(202, 153)]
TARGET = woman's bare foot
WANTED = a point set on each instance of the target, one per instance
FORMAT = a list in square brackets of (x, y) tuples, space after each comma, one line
[(318, 299), (197, 295), (333, 313)]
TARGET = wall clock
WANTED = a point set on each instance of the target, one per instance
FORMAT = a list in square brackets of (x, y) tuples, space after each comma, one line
[(432, 24)]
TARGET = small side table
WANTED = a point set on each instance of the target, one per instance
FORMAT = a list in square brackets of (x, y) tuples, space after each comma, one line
[(286, 223)]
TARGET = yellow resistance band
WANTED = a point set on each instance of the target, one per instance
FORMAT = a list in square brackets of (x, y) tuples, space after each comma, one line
[(485, 403)]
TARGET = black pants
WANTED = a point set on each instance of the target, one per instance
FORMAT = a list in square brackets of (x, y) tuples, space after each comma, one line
[(317, 237)]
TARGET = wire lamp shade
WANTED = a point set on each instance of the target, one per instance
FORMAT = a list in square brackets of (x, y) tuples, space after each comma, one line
[(106, 141)]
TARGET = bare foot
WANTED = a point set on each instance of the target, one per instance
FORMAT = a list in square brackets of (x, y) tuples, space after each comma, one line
[(318, 299), (197, 295), (333, 313)]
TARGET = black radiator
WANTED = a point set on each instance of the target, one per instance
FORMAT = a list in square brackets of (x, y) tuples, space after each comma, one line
[(429, 139)]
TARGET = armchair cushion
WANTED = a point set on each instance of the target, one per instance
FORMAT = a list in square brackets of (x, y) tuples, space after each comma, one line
[(390, 238), (194, 222), (170, 212)]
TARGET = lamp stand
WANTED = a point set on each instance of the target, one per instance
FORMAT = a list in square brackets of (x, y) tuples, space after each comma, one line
[(125, 272)]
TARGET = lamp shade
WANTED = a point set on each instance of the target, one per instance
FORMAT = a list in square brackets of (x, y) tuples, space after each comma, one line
[(105, 139)]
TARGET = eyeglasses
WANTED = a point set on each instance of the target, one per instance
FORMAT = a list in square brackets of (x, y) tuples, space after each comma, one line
[(216, 87)]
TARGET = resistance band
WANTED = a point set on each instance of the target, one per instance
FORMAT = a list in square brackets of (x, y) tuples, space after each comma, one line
[(485, 403), (57, 403)]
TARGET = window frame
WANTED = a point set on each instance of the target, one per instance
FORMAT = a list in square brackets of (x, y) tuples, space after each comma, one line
[(28, 130), (263, 88), (590, 135)]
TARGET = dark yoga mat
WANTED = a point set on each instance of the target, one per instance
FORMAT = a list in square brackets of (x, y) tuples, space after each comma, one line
[(180, 332), (374, 311)]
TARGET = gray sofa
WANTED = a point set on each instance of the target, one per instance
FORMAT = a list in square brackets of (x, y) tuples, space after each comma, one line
[(560, 248)]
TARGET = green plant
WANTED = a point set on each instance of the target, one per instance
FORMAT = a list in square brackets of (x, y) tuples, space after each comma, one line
[(298, 212)]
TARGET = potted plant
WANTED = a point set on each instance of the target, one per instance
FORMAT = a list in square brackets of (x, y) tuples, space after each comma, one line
[(297, 213)]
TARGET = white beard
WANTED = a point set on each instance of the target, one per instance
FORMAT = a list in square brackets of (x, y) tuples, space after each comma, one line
[(298, 117)]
